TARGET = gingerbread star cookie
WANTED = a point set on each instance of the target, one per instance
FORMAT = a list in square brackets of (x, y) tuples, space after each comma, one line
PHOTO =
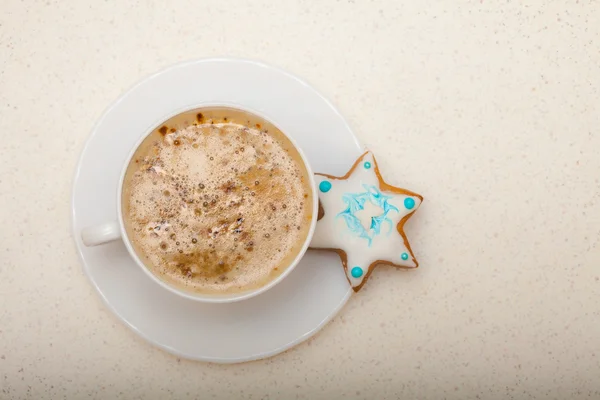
[(362, 218)]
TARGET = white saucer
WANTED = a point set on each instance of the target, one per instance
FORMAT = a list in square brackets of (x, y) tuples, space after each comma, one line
[(265, 325)]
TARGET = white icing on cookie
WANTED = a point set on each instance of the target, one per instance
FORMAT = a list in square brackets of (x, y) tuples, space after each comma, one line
[(362, 219)]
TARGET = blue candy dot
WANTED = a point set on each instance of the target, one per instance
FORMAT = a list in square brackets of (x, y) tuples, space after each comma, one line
[(404, 256), (356, 272), (409, 203), (325, 186), (367, 165)]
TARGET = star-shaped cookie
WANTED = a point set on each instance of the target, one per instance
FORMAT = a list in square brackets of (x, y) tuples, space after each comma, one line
[(362, 218)]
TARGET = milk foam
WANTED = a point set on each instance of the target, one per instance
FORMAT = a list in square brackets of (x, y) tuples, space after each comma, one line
[(217, 201)]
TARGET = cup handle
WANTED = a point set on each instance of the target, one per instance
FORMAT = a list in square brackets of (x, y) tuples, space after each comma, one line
[(101, 234)]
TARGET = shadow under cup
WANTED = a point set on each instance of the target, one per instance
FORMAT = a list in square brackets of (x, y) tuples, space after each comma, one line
[(217, 204)]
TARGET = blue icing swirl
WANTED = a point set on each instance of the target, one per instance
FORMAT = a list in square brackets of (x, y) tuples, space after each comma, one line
[(356, 202)]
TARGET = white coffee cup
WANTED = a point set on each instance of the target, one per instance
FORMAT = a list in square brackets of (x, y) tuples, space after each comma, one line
[(115, 230)]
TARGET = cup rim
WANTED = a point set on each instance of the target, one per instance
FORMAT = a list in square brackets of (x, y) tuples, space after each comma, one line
[(207, 298)]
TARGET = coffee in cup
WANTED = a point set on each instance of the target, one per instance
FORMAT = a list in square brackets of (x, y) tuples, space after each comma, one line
[(217, 201)]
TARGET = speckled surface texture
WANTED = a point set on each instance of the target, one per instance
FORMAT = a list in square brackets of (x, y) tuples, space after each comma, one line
[(489, 109)]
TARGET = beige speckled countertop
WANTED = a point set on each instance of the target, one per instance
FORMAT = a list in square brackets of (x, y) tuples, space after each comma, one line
[(500, 100)]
